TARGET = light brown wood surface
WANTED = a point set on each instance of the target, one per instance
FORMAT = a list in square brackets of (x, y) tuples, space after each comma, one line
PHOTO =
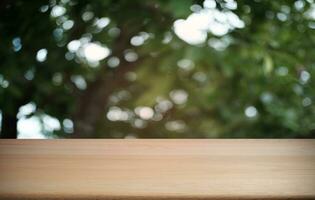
[(157, 169)]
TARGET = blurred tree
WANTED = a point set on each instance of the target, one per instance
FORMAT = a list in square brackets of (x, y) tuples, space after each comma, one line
[(159, 68)]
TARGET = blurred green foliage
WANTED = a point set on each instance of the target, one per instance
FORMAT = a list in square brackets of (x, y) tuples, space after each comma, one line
[(253, 81)]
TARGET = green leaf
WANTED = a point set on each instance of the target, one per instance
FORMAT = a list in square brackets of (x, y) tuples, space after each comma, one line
[(268, 64)]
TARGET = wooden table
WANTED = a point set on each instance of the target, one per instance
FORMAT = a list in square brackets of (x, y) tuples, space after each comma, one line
[(157, 169)]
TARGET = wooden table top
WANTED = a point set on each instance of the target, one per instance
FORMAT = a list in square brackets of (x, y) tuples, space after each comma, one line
[(157, 169)]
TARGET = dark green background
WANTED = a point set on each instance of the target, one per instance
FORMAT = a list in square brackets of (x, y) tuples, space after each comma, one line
[(268, 65)]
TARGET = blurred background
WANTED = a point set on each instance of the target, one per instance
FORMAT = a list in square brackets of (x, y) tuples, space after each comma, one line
[(157, 69)]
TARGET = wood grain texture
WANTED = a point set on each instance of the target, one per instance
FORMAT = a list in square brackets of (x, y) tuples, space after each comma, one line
[(157, 169)]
